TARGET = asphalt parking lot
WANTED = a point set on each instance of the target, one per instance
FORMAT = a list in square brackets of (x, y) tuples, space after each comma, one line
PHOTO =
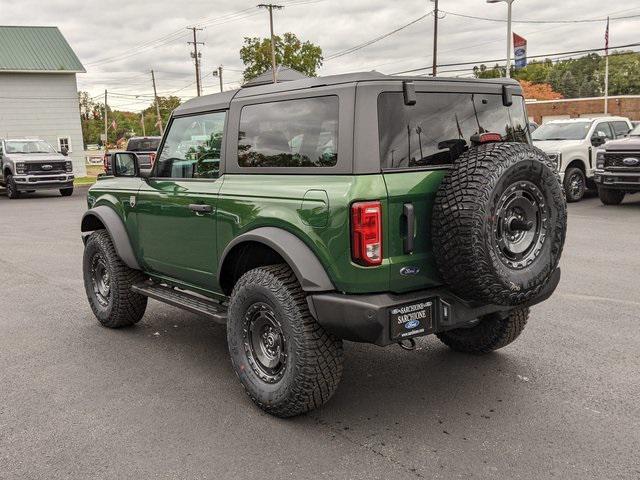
[(160, 400)]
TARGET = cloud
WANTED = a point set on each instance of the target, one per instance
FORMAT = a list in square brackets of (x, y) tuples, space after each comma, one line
[(136, 37)]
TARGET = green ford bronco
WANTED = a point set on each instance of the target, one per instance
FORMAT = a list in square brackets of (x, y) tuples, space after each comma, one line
[(357, 207)]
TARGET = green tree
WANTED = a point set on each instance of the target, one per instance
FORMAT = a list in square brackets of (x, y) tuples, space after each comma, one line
[(291, 52), (589, 88), (569, 86)]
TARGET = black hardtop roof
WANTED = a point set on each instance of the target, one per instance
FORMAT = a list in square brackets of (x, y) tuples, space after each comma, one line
[(220, 101)]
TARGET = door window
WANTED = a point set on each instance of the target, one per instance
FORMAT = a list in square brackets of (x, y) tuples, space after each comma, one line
[(605, 128), (192, 147), (620, 128)]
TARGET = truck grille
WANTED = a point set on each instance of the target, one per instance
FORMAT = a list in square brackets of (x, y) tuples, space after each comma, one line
[(39, 168), (615, 160)]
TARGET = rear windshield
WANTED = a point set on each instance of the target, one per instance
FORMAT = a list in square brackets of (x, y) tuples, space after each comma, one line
[(438, 128), (143, 144)]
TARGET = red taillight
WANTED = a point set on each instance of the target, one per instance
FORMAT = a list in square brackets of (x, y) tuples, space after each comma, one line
[(486, 138), (105, 162), (366, 233)]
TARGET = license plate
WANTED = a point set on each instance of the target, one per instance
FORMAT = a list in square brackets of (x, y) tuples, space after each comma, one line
[(411, 319)]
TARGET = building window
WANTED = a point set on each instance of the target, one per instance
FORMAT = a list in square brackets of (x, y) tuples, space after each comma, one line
[(64, 142)]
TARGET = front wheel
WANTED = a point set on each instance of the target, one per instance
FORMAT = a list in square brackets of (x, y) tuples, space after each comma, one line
[(66, 192), (575, 184), (609, 196), (287, 363), (12, 188), (491, 333), (108, 282)]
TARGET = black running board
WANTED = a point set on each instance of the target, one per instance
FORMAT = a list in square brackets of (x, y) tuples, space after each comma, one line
[(184, 300)]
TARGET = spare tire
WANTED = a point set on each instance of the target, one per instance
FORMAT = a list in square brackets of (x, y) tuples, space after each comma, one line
[(499, 224)]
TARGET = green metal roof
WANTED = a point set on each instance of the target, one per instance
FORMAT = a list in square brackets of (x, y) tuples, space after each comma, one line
[(36, 49)]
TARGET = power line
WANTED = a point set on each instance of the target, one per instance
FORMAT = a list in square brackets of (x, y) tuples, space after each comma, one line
[(501, 20), (546, 55), (376, 39)]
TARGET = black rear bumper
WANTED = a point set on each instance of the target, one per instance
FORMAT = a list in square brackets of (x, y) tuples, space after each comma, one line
[(367, 318)]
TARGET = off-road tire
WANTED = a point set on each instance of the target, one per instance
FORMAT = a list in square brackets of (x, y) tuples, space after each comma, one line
[(123, 307), (609, 196), (574, 195), (12, 188), (467, 224), (493, 332), (313, 358), (66, 192)]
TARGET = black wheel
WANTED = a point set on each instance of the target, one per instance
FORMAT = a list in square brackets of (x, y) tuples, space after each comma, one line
[(575, 184), (12, 188), (490, 333), (66, 192), (499, 224), (609, 196), (287, 363), (108, 282)]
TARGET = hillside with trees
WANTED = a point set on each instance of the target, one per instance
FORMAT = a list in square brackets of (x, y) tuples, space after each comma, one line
[(579, 77), (127, 124)]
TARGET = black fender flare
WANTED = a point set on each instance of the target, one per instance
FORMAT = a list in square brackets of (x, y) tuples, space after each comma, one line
[(108, 217), (304, 263)]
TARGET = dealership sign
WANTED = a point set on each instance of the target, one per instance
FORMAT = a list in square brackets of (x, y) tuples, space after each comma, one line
[(520, 51)]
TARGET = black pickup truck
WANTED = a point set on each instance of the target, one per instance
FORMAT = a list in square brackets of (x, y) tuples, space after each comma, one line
[(618, 168), (144, 147)]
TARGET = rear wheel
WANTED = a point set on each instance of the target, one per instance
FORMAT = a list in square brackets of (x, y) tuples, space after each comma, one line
[(287, 363), (108, 282), (66, 192), (609, 196), (12, 188), (575, 184), (491, 333)]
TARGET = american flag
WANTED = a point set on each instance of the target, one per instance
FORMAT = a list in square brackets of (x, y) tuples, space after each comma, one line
[(606, 39)]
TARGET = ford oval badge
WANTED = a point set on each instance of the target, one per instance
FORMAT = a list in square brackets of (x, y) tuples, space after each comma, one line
[(631, 162), (411, 325), (409, 271)]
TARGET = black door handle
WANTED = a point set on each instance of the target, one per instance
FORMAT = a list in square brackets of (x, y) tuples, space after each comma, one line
[(410, 229), (200, 208)]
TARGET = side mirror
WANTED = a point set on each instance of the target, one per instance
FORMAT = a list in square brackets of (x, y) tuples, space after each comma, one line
[(598, 139), (64, 151), (125, 164)]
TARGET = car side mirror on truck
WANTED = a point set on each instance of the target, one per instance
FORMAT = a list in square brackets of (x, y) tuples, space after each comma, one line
[(598, 139), (64, 151), (125, 164)]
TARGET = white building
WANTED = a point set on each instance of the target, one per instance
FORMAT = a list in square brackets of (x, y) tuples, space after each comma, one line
[(38, 89)]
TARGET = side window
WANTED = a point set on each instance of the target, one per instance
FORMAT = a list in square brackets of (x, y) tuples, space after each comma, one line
[(605, 128), (620, 128), (290, 133), (192, 147)]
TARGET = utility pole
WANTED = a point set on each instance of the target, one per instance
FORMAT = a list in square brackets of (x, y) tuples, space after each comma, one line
[(435, 38), (606, 71), (106, 124), (144, 132), (155, 96), (196, 56), (218, 73), (270, 7)]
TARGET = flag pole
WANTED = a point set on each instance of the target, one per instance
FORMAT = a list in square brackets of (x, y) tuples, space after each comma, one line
[(606, 71)]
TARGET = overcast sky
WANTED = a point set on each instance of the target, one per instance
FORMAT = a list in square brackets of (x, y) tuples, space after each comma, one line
[(119, 41)]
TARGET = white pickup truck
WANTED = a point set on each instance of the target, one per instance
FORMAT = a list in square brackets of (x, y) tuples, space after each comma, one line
[(572, 145)]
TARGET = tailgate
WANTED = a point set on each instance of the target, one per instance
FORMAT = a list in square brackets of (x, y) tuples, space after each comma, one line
[(411, 196)]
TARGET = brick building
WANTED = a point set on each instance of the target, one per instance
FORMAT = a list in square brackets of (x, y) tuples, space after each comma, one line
[(545, 110)]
